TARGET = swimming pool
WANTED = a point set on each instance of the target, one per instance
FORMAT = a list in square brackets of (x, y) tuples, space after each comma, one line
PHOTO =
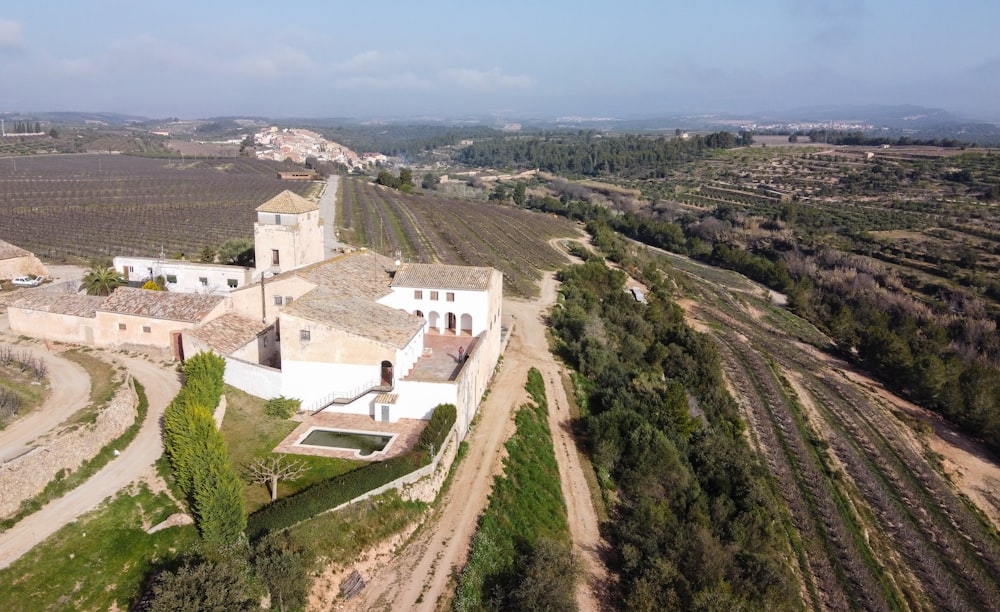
[(363, 443)]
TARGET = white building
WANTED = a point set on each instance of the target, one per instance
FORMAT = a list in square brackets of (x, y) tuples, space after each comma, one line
[(359, 333)]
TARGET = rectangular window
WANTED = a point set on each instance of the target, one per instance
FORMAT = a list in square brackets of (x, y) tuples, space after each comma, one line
[(265, 340), (203, 280), (418, 294), (122, 326), (277, 219), (131, 269), (146, 329), (275, 260), (288, 300), (434, 295), (277, 300), (232, 282), (450, 296), (304, 335), (172, 278)]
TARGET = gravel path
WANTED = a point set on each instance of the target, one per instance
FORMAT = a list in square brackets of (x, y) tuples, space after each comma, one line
[(161, 385), (421, 576), (70, 388)]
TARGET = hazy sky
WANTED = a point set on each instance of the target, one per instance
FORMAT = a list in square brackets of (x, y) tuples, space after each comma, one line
[(629, 58)]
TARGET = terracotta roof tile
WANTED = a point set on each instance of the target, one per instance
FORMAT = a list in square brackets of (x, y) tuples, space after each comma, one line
[(174, 306), (228, 333), (57, 303), (438, 276), (289, 203)]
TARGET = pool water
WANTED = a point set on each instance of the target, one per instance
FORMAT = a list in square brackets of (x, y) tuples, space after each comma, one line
[(365, 444)]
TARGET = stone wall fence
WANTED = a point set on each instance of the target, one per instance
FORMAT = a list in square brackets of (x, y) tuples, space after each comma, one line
[(67, 448)]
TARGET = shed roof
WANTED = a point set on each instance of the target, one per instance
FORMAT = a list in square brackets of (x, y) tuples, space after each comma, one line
[(289, 203), (168, 305), (56, 303), (229, 332)]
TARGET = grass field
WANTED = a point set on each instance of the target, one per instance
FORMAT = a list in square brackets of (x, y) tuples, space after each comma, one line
[(250, 433), (100, 561)]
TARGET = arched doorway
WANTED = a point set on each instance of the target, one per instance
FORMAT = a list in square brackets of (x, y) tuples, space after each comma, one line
[(386, 373), (434, 320), (450, 322), (419, 313), (467, 323)]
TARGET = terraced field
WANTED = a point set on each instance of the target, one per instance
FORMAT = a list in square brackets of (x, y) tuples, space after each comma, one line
[(873, 522)]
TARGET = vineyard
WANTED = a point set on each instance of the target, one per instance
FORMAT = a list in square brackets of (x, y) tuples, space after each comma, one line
[(873, 524), (85, 206), (432, 229)]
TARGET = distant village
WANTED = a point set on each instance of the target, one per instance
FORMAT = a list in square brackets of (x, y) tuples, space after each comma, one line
[(297, 144)]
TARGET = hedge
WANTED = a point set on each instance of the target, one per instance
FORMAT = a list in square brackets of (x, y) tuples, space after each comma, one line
[(329, 494)]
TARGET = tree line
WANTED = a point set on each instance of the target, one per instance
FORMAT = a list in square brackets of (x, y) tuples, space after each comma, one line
[(25, 127), (592, 154), (694, 524)]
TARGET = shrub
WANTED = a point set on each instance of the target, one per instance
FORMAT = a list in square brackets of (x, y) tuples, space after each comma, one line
[(282, 407), (436, 433)]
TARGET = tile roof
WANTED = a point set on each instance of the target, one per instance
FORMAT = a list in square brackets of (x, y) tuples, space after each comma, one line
[(386, 398), (57, 303), (288, 202), (348, 286), (439, 276), (10, 251), (228, 333), (363, 274), (357, 316), (169, 305)]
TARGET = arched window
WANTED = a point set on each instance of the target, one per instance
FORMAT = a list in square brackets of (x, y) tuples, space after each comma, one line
[(419, 313)]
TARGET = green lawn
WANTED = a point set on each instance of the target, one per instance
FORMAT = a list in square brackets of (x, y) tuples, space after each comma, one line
[(98, 561), (249, 433)]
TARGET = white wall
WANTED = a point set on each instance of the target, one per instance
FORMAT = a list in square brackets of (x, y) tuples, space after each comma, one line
[(188, 274), (313, 381), (475, 303), (417, 400), (257, 380)]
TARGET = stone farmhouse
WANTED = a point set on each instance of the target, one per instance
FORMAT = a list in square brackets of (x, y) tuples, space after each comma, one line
[(359, 333)]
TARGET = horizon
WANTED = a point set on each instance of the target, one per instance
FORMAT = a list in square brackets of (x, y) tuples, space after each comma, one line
[(443, 59)]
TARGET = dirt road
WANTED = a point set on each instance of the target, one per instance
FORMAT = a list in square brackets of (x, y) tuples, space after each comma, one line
[(421, 575), (70, 387), (161, 385)]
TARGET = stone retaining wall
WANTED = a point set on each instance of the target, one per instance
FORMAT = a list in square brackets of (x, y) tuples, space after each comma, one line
[(65, 449)]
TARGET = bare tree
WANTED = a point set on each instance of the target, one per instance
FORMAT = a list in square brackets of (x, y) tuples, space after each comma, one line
[(41, 369), (24, 360), (6, 354), (270, 470)]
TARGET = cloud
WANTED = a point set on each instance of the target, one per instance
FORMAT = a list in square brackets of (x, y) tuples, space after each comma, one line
[(368, 61), (485, 80), (11, 35), (401, 82)]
